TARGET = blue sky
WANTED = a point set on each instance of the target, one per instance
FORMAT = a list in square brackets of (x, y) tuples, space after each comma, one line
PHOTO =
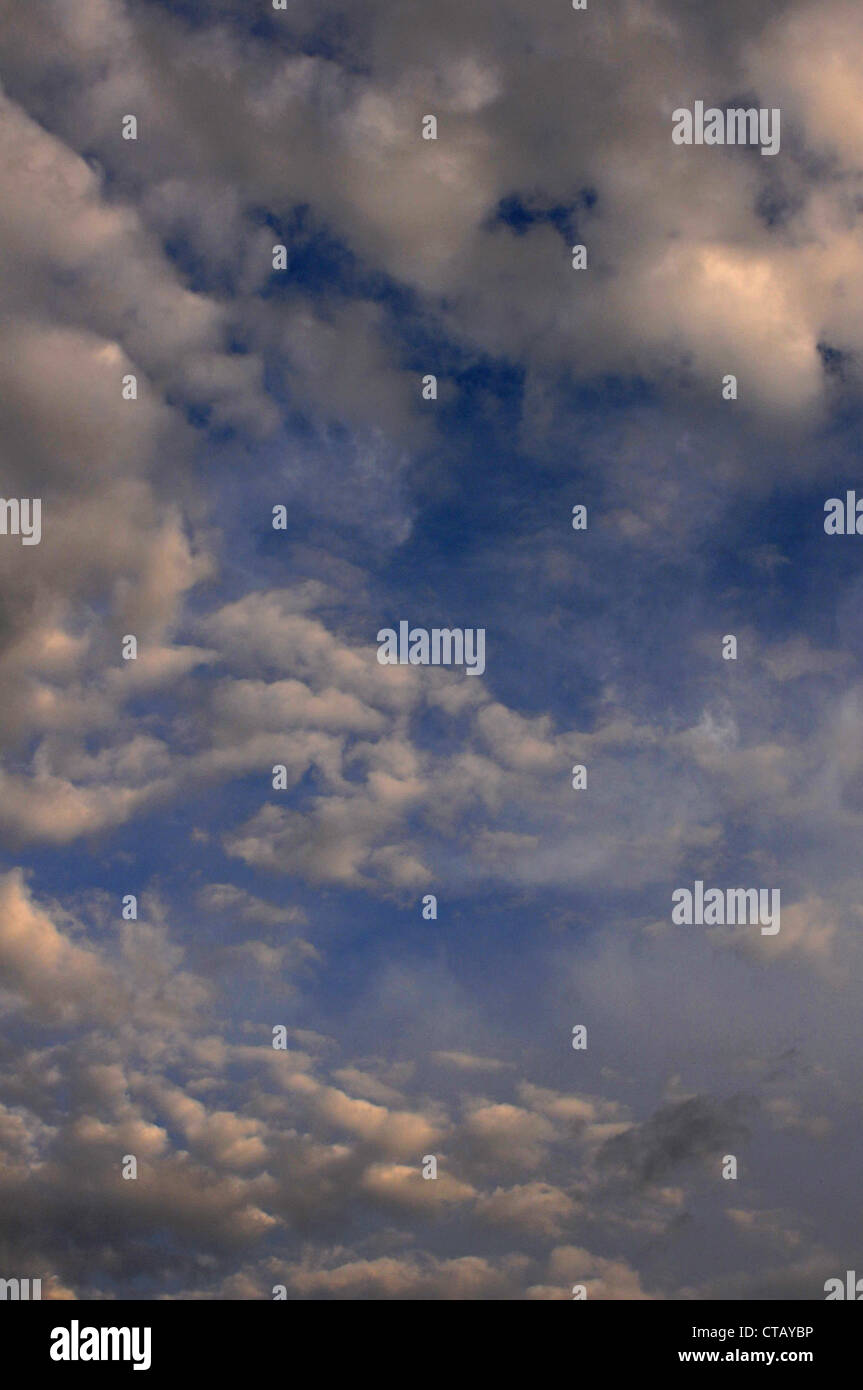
[(257, 908)]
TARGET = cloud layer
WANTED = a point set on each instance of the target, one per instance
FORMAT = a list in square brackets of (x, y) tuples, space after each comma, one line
[(300, 908)]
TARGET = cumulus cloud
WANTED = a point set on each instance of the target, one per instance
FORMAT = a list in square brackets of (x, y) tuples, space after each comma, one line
[(302, 389)]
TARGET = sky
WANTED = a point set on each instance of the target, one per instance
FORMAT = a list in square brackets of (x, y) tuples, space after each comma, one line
[(300, 1168)]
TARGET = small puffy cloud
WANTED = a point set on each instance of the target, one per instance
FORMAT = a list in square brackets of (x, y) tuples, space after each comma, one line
[(505, 1135), (607, 1279), (228, 898), (774, 1226), (467, 1061), (49, 973), (538, 1208), (405, 1186)]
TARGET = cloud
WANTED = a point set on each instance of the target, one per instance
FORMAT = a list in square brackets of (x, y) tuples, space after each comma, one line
[(412, 1277), (537, 1207), (506, 1136), (776, 1226), (602, 1278), (227, 897), (257, 647), (44, 970), (405, 1186), (466, 1061), (677, 1133)]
